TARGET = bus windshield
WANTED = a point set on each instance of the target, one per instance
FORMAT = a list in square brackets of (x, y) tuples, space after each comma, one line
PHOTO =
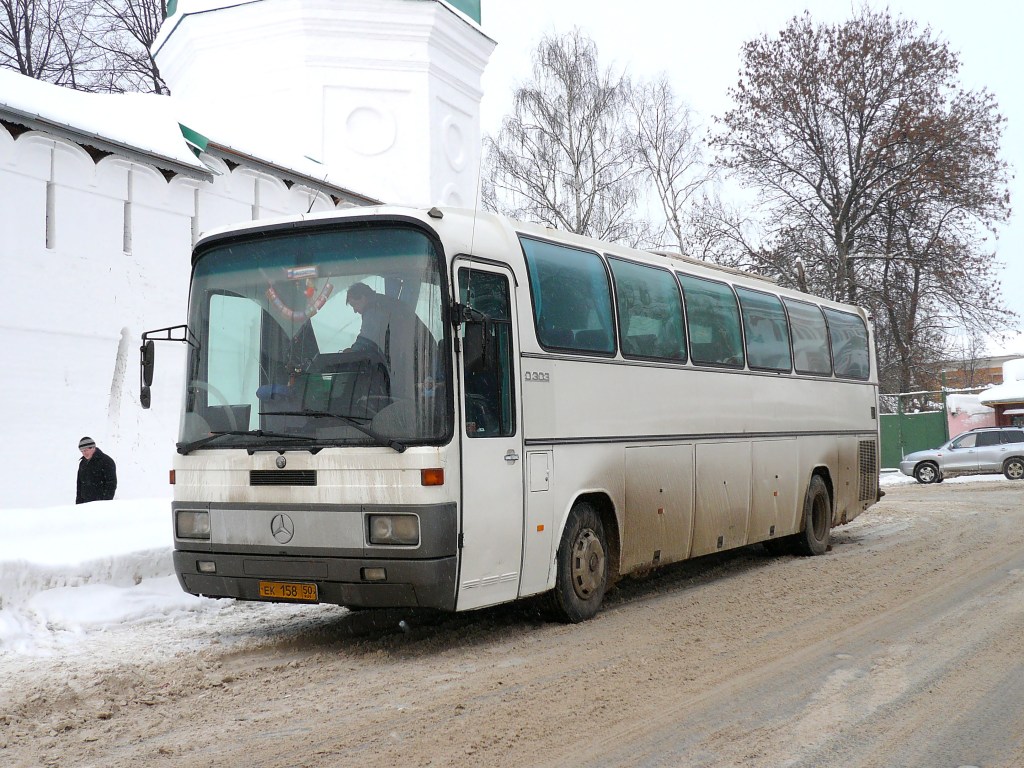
[(316, 339)]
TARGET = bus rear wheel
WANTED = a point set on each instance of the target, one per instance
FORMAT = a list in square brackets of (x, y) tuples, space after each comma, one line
[(817, 519), (582, 563)]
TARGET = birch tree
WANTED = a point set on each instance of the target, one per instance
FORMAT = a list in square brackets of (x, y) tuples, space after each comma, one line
[(670, 153), (564, 156)]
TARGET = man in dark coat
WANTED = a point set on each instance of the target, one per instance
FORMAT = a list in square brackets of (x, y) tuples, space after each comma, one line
[(97, 473)]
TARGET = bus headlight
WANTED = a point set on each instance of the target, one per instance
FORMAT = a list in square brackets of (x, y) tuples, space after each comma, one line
[(192, 524), (395, 529)]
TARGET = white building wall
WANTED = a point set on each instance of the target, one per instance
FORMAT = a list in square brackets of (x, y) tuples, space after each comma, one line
[(73, 313)]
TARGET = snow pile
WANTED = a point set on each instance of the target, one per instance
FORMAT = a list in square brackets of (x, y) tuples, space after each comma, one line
[(66, 571), (1013, 370)]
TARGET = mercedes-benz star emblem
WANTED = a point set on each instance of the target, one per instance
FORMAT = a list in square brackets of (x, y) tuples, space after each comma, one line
[(281, 462), (282, 528)]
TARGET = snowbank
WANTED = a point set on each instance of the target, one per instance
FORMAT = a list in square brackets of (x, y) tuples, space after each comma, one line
[(66, 571)]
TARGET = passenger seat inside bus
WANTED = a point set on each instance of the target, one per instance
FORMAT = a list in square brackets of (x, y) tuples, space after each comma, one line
[(592, 338), (645, 345), (553, 336)]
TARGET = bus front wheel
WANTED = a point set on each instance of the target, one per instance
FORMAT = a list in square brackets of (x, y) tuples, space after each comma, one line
[(817, 519), (582, 563)]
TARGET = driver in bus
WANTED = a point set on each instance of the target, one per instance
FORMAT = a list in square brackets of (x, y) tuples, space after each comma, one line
[(391, 328)]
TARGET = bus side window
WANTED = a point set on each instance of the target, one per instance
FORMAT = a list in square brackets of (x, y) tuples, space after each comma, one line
[(650, 311), (764, 322), (572, 300), (713, 322), (810, 338), (849, 339)]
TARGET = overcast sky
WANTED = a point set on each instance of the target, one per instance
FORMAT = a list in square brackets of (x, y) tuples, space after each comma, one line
[(697, 45)]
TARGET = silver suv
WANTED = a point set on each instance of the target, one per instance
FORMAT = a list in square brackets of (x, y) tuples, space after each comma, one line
[(987, 449)]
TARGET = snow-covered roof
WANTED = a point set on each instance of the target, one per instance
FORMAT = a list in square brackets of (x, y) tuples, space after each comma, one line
[(966, 403), (262, 142), (136, 123), (1012, 388), (153, 129)]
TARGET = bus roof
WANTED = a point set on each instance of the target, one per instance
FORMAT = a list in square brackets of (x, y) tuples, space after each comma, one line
[(485, 227)]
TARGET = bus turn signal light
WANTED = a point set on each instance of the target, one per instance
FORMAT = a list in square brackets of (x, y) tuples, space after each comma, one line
[(170, 476), (434, 476)]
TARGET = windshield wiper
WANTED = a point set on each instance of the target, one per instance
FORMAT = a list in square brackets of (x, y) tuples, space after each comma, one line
[(186, 448), (398, 446)]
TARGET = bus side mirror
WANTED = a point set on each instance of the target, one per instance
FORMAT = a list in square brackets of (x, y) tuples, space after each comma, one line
[(147, 354), (148, 350)]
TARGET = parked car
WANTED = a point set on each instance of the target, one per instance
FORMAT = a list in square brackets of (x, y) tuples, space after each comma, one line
[(983, 450)]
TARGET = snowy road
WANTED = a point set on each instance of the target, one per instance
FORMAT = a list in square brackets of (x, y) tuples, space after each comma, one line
[(904, 646)]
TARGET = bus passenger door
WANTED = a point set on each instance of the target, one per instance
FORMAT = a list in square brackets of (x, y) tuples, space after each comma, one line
[(491, 438)]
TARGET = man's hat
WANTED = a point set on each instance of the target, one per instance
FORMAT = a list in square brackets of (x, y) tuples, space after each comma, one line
[(86, 442)]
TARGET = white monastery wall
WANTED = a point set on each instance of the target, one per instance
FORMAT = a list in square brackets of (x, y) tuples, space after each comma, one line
[(80, 287)]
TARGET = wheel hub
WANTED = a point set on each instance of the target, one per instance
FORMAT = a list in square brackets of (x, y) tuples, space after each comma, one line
[(588, 558)]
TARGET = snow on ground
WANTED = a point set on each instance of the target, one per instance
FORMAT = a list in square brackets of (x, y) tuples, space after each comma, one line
[(71, 572)]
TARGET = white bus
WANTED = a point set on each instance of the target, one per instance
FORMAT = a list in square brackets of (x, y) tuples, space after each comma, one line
[(498, 410)]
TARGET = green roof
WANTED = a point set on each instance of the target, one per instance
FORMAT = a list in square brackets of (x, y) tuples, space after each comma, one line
[(469, 7)]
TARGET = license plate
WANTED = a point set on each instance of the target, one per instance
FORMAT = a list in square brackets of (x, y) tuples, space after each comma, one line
[(281, 590)]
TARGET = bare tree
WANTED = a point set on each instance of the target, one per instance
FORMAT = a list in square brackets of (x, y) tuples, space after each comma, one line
[(878, 169), (666, 144), (90, 45), (970, 353), (47, 40), (125, 31), (564, 157), (931, 283)]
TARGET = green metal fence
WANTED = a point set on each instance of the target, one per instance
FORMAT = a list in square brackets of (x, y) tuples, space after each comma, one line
[(904, 433)]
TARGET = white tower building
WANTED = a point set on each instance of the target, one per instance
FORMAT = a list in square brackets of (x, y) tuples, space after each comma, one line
[(384, 93)]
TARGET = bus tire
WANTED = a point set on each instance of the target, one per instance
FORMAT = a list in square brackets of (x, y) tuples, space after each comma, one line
[(813, 540), (1013, 468), (582, 566)]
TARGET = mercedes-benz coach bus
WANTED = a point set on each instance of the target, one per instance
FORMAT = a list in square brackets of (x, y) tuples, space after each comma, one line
[(387, 407)]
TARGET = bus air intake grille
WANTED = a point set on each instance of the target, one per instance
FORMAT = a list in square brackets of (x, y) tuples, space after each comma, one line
[(282, 477), (867, 453)]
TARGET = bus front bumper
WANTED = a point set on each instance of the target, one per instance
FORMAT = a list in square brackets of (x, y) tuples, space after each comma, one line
[(356, 582)]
